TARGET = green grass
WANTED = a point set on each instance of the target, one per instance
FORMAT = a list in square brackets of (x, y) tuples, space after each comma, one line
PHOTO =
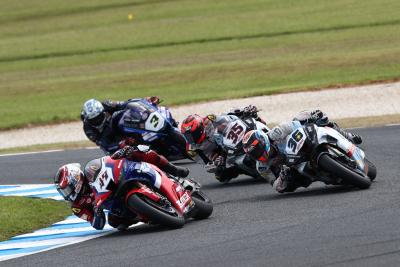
[(21, 215), (56, 54)]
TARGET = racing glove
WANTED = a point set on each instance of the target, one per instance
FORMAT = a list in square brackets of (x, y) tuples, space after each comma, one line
[(155, 100), (125, 152), (99, 218)]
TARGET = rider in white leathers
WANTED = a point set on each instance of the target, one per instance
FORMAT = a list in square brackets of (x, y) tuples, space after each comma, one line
[(268, 149)]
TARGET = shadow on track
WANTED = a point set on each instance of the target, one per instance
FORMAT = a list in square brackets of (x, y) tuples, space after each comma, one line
[(140, 230), (304, 193), (312, 192), (248, 181)]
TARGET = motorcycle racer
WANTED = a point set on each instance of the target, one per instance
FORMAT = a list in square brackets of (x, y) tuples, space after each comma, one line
[(321, 119), (268, 149), (100, 121), (73, 185), (202, 132)]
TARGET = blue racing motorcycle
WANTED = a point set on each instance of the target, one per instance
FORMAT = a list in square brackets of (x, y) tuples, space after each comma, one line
[(155, 127)]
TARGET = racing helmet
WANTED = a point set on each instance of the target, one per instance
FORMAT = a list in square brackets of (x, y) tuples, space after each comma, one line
[(93, 112), (193, 129), (256, 144), (92, 169), (69, 181)]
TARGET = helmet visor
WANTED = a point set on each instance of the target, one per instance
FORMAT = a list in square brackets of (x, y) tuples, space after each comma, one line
[(68, 193), (98, 120), (256, 151), (194, 137)]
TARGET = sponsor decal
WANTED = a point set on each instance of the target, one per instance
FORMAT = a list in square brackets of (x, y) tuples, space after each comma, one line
[(183, 199), (76, 210), (211, 117)]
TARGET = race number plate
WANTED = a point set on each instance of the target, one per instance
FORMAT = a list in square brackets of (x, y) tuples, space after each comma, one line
[(295, 141), (234, 134), (104, 177), (154, 122)]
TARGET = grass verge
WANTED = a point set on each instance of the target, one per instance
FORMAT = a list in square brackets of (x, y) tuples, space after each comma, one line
[(21, 215), (54, 56)]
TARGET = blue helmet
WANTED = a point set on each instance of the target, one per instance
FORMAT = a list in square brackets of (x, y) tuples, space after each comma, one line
[(256, 144), (93, 113)]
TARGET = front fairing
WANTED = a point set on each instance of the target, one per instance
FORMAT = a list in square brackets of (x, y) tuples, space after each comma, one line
[(154, 178), (140, 172)]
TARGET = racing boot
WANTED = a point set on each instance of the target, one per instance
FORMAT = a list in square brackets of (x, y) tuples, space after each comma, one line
[(224, 175), (352, 137), (120, 223), (176, 170)]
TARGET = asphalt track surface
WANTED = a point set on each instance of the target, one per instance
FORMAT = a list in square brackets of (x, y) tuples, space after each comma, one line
[(251, 225)]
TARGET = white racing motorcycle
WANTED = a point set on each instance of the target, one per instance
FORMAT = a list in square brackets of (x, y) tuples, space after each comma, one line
[(323, 154), (230, 140)]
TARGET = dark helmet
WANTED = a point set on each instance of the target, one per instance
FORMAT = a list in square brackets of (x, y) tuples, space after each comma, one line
[(193, 129), (256, 144), (93, 112), (69, 181)]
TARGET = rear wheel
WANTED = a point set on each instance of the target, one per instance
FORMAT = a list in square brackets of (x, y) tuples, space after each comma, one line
[(331, 166), (203, 205), (165, 215)]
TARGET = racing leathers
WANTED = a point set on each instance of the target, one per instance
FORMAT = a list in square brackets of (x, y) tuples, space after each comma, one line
[(321, 119), (84, 206), (212, 151), (288, 179), (110, 136)]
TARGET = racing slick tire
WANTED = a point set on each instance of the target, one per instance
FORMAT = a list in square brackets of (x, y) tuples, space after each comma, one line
[(328, 164), (203, 205), (155, 213), (371, 170)]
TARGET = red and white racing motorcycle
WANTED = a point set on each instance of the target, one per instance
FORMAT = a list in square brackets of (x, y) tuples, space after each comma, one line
[(142, 191)]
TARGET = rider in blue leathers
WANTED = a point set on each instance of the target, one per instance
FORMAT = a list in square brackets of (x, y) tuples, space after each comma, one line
[(100, 121)]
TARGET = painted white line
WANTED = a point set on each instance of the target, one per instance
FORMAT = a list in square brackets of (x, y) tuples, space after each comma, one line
[(44, 232), (63, 244), (38, 192), (30, 153), (23, 187), (70, 220), (392, 124), (70, 231), (91, 147)]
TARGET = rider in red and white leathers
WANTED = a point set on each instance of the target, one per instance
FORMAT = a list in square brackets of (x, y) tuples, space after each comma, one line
[(72, 184)]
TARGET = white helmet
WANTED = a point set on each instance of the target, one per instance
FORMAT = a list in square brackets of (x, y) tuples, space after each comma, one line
[(93, 113), (69, 181)]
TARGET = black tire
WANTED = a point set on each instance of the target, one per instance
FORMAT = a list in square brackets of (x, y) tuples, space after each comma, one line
[(329, 165), (156, 214), (371, 170), (203, 206)]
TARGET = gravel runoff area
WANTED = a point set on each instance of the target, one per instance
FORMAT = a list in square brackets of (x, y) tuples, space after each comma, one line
[(354, 102)]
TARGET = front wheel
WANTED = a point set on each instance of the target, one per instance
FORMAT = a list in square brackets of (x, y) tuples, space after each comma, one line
[(371, 170), (165, 215), (203, 205), (331, 166)]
